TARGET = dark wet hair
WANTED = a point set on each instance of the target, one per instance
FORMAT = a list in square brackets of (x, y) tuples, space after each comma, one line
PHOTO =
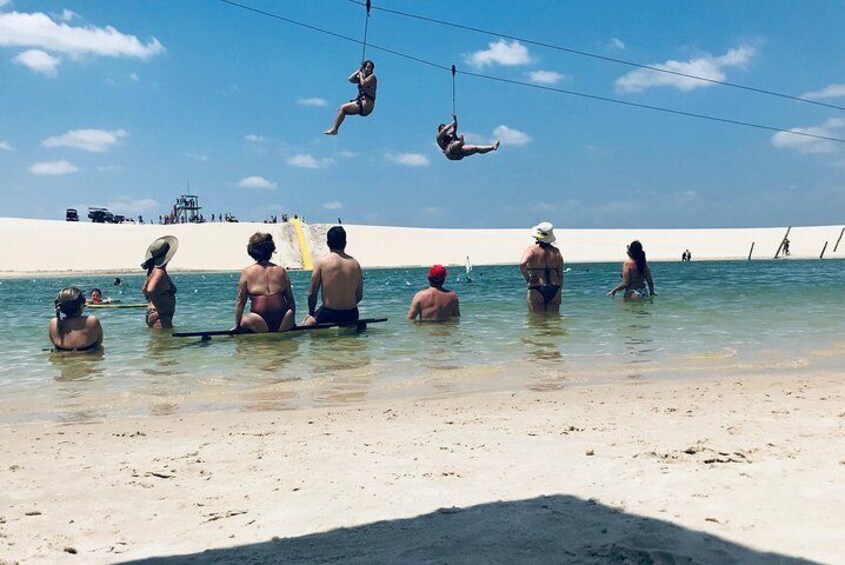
[(336, 238), (68, 301), (367, 62), (261, 246), (635, 252), (93, 290)]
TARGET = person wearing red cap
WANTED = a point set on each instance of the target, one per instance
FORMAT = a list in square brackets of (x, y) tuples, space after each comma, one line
[(435, 304)]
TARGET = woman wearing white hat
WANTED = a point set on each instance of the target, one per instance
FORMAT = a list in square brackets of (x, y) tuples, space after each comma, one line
[(159, 289), (542, 268)]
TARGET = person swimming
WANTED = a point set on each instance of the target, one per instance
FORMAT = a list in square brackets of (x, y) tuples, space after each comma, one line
[(636, 276), (365, 102), (267, 285), (453, 145), (74, 332), (542, 268), (97, 297)]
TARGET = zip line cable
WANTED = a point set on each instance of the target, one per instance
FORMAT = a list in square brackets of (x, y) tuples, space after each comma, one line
[(532, 85), (366, 26), (601, 57)]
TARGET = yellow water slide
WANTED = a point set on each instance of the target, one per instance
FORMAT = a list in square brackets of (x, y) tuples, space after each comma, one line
[(303, 245)]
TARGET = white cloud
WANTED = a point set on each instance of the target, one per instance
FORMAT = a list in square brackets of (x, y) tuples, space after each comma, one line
[(708, 66), (314, 101), (38, 30), (94, 140), (833, 127), (132, 206), (134, 77), (616, 43), (257, 182), (111, 168), (307, 161), (432, 211), (407, 159), (4, 145), (39, 61), (510, 136), (346, 154), (333, 205), (254, 138), (66, 15), (53, 168), (546, 77), (831, 91), (501, 52), (197, 157), (4, 3)]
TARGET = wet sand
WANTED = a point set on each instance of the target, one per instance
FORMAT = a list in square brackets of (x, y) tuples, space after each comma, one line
[(743, 470)]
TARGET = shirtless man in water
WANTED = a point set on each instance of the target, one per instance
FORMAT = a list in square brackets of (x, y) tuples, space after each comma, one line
[(435, 304), (339, 275), (542, 268)]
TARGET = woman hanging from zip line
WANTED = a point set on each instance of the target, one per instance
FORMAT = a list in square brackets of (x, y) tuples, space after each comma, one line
[(364, 103), (454, 146)]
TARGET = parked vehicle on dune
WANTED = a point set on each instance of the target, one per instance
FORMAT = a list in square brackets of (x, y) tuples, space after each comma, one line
[(71, 215), (100, 215)]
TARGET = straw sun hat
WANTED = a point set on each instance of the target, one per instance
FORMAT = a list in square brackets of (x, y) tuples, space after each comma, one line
[(161, 251), (544, 232)]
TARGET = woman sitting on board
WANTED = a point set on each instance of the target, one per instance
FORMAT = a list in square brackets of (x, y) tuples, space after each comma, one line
[(364, 103), (268, 287), (454, 146), (636, 276), (159, 289), (74, 332)]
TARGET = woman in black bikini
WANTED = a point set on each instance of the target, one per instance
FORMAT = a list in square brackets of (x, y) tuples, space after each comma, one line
[(636, 276), (74, 332), (159, 289), (454, 146), (363, 104), (542, 268), (268, 287)]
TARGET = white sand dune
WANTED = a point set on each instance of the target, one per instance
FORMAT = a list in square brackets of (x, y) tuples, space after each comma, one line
[(48, 246)]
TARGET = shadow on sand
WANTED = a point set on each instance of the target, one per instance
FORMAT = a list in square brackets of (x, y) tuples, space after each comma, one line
[(548, 529)]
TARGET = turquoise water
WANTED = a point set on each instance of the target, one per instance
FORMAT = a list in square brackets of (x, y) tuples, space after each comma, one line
[(710, 318)]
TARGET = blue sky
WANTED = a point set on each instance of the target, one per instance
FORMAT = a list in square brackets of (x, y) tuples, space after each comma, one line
[(121, 104)]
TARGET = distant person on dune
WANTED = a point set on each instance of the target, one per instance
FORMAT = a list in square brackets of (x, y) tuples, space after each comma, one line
[(435, 304), (542, 268), (267, 285), (636, 276), (454, 146), (363, 104), (339, 277), (71, 331)]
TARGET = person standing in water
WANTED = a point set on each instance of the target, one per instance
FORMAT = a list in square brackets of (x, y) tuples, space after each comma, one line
[(435, 304), (339, 277), (363, 104), (267, 285), (74, 332), (542, 268), (159, 289), (636, 276), (453, 145)]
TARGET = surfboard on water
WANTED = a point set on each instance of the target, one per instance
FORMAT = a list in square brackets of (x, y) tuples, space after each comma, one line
[(359, 326), (116, 305)]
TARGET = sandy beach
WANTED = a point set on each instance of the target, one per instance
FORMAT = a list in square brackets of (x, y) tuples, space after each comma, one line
[(106, 248), (747, 470)]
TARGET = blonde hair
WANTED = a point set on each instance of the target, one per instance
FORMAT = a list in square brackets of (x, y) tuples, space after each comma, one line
[(68, 301)]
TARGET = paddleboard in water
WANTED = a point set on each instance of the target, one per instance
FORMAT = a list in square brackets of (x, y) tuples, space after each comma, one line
[(113, 305), (359, 326)]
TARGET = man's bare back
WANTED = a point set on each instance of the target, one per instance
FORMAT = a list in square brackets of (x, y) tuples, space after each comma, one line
[(341, 280), (434, 304)]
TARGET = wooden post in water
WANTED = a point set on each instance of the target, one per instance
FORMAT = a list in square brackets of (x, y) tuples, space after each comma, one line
[(835, 247), (823, 249), (785, 237), (750, 251)]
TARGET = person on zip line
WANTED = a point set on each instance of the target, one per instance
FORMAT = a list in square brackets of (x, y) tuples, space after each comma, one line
[(454, 146), (363, 104)]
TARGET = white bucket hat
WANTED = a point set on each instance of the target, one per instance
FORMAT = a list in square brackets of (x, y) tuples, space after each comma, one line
[(544, 232)]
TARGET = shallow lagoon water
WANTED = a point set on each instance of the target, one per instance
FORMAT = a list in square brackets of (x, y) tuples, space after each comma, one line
[(709, 318)]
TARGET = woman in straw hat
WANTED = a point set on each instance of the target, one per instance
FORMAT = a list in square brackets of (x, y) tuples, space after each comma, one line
[(74, 332), (542, 267), (159, 289)]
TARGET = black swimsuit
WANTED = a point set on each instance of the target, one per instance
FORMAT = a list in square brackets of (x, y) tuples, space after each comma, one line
[(91, 347), (547, 291), (330, 316)]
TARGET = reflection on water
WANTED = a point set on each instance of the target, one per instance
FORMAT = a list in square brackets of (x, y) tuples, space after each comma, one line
[(751, 321)]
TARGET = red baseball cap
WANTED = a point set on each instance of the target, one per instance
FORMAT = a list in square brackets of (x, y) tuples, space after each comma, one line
[(437, 272)]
